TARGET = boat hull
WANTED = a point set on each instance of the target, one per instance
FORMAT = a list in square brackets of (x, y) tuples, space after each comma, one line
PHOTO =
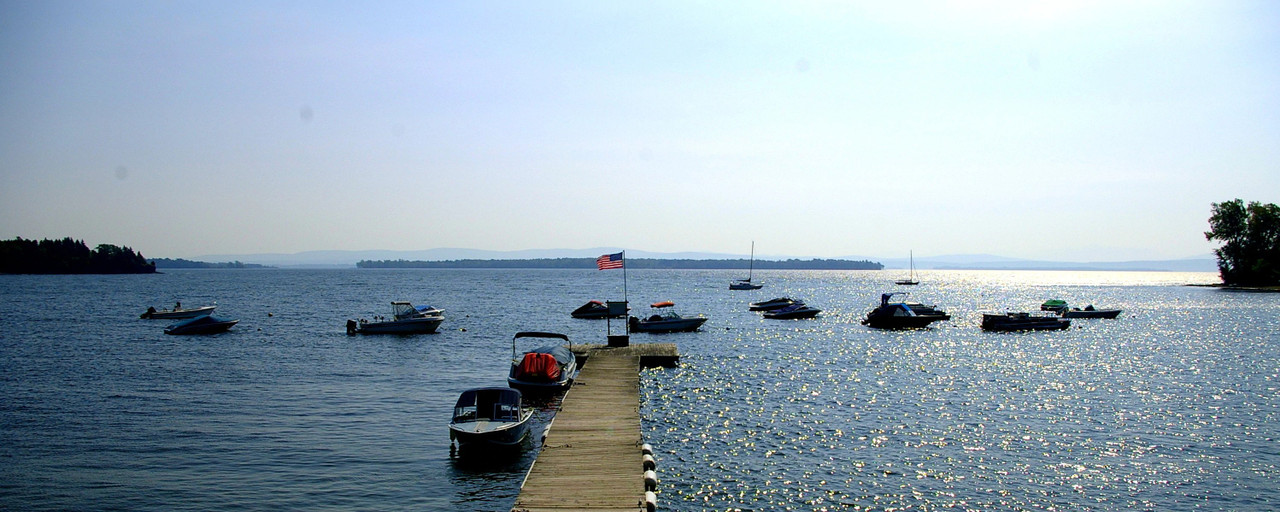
[(178, 314), (493, 434), (667, 325), (793, 314), (879, 321), (408, 326), (742, 285), (1084, 313)]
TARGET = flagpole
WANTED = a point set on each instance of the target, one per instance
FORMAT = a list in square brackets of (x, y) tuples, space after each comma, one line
[(624, 275)]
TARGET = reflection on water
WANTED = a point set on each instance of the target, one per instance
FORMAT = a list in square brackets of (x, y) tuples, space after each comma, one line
[(1172, 406)]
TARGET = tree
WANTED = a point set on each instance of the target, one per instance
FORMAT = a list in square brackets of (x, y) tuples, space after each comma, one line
[(1250, 236)]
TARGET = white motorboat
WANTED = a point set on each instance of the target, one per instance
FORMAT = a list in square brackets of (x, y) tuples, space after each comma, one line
[(176, 313), (405, 319), (665, 320), (491, 417)]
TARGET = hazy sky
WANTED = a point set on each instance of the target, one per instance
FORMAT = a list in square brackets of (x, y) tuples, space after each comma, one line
[(1081, 131)]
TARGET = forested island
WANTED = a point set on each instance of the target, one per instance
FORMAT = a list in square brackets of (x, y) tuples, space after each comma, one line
[(181, 263), (637, 263), (67, 256)]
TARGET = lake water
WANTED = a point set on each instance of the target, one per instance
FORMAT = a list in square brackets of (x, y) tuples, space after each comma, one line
[(1173, 406)]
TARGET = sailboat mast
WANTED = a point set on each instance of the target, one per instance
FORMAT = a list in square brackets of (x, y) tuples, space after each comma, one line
[(751, 264)]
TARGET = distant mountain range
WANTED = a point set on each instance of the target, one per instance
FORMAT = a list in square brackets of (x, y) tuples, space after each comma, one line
[(948, 262)]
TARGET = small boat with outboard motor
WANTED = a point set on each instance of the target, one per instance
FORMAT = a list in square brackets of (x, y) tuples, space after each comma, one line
[(594, 310), (902, 314), (490, 417), (177, 313), (665, 319), (405, 319), (1022, 321), (792, 312), (1090, 312), (204, 324), (771, 304)]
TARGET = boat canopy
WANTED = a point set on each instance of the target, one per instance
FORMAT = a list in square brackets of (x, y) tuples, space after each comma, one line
[(536, 334), (556, 350), (663, 304), (402, 309), (885, 297)]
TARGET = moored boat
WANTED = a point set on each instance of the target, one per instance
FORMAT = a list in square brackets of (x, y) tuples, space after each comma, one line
[(549, 368), (794, 311), (746, 284), (491, 417), (771, 304), (1022, 321), (594, 310), (176, 313), (405, 319), (204, 324), (665, 320), (902, 314), (1090, 312), (911, 278), (1055, 305)]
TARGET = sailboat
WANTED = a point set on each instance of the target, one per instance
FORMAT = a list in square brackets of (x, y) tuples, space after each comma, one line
[(912, 278), (746, 284)]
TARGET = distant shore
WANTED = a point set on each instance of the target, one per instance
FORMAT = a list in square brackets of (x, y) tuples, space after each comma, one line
[(636, 263)]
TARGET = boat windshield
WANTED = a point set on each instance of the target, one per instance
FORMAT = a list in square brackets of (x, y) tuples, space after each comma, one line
[(488, 404)]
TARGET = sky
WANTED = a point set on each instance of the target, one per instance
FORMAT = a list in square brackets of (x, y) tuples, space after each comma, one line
[(1081, 131)]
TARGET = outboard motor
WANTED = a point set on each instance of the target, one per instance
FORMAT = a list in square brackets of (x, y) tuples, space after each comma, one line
[(351, 327)]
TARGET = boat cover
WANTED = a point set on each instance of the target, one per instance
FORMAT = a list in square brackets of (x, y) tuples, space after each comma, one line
[(539, 366), (561, 353)]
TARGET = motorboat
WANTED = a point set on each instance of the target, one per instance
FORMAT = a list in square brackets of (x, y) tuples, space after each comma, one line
[(771, 304), (794, 311), (902, 314), (176, 313), (544, 369), (204, 324), (665, 319), (595, 310), (405, 319), (491, 417), (1055, 305), (746, 284), (1023, 322), (1090, 312)]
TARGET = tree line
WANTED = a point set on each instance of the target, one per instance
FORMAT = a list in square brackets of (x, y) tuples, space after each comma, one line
[(183, 263), (67, 256), (636, 263)]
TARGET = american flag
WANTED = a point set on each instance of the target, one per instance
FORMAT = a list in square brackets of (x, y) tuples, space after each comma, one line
[(609, 261)]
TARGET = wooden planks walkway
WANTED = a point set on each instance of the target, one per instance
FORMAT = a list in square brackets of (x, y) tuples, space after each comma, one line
[(591, 458)]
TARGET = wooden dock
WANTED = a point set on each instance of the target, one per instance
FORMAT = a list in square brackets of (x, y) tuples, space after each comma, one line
[(591, 458)]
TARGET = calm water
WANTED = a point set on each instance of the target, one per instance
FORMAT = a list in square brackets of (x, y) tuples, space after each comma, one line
[(1174, 406)]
